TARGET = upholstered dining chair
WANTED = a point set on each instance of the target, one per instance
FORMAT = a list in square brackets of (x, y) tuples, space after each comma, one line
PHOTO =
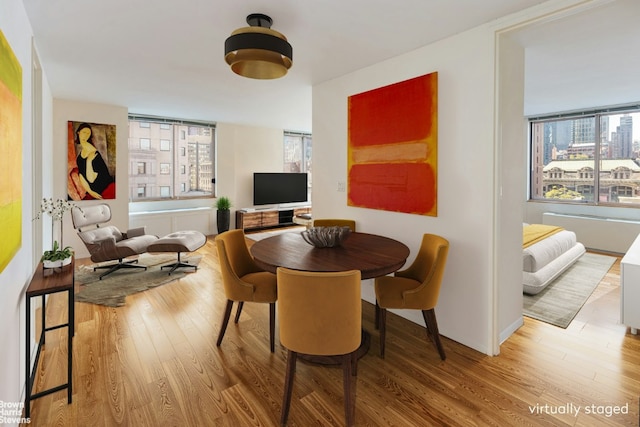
[(416, 287), (243, 280), (108, 243), (331, 222), (320, 314)]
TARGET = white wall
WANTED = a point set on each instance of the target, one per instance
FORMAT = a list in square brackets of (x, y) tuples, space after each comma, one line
[(608, 236), (243, 150), (163, 222), (66, 110), (465, 164), (481, 171), (17, 274), (510, 155)]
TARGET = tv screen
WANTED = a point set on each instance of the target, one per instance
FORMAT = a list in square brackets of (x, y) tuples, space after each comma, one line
[(279, 187)]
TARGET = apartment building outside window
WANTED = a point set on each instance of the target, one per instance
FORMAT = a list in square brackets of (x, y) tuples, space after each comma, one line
[(587, 157), (170, 159), (297, 155)]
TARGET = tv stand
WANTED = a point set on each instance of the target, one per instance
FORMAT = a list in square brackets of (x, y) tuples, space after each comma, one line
[(257, 219)]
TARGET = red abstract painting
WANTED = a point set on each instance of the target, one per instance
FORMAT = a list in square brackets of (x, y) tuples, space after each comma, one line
[(392, 147)]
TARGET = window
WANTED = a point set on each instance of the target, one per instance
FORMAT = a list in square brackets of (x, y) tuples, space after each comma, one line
[(589, 157), (297, 154), (172, 158)]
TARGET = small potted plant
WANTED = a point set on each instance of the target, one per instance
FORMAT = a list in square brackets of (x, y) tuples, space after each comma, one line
[(56, 210), (223, 215), (57, 256)]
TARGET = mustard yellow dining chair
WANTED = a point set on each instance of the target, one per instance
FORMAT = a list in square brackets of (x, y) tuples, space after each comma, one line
[(244, 281), (416, 287), (320, 314), (331, 222)]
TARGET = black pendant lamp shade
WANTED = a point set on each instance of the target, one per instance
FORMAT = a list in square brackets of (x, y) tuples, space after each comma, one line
[(257, 51)]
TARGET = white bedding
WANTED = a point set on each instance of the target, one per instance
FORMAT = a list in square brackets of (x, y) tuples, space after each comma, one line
[(542, 253), (543, 261), (532, 283)]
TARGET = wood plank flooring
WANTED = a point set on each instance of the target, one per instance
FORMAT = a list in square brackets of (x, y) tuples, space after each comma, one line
[(154, 362)]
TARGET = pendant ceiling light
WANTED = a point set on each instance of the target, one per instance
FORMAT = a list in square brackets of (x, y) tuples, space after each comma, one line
[(257, 51)]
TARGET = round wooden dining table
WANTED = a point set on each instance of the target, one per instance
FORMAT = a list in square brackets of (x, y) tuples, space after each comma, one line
[(372, 254)]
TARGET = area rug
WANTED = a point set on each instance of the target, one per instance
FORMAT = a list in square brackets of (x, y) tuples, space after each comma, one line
[(561, 300), (264, 234), (113, 289)]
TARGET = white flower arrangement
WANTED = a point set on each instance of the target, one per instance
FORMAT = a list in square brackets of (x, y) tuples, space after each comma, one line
[(54, 208)]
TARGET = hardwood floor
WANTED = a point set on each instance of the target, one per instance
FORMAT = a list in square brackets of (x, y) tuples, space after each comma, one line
[(154, 362)]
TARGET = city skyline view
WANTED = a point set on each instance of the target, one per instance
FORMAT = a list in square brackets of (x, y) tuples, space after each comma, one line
[(564, 153)]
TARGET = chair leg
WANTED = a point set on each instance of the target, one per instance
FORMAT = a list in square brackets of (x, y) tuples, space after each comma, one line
[(288, 386), (382, 324), (225, 321), (377, 316), (238, 311), (117, 266), (354, 363), (432, 328), (178, 264), (349, 394), (272, 325)]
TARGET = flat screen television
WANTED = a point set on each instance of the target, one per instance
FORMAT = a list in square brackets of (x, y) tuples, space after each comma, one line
[(271, 188)]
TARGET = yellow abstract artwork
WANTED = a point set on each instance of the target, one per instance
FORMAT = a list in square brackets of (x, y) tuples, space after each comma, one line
[(10, 153)]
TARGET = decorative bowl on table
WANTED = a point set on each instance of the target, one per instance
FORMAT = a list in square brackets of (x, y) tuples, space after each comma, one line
[(326, 237)]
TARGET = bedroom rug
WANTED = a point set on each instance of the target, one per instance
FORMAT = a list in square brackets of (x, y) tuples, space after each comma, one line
[(561, 300), (114, 288), (264, 234)]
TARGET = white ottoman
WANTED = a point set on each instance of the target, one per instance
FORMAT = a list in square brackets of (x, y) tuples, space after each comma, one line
[(180, 241)]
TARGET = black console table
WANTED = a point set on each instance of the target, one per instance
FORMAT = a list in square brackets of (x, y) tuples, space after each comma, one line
[(48, 281)]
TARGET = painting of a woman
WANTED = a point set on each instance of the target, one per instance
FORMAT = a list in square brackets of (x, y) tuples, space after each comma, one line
[(90, 176)]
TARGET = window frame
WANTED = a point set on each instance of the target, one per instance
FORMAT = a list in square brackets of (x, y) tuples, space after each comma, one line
[(183, 136), (596, 155), (306, 156)]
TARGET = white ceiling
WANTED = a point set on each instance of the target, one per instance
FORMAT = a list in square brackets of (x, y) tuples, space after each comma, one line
[(587, 60), (165, 57)]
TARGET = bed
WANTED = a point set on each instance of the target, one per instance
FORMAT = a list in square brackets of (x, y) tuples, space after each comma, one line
[(547, 252)]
